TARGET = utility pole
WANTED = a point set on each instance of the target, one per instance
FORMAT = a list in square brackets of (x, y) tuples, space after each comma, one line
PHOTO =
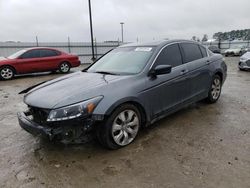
[(91, 32), (122, 23)]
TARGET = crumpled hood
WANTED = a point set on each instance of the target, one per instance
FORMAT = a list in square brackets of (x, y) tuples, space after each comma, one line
[(68, 90)]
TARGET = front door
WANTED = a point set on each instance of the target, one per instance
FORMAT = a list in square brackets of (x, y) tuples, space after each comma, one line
[(167, 91)]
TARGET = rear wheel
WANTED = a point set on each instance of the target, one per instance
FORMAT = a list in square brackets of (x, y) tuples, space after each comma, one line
[(215, 89), (121, 128), (64, 67), (6, 73)]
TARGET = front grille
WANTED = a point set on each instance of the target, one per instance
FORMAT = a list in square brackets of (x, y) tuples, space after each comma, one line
[(39, 115)]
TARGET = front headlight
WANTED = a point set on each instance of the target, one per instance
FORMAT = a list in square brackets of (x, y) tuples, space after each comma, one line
[(81, 109)]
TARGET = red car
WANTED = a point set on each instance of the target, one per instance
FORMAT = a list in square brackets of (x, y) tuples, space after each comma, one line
[(36, 60)]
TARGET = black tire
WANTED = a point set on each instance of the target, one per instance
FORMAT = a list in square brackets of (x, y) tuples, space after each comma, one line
[(214, 90), (64, 67), (104, 131), (7, 73)]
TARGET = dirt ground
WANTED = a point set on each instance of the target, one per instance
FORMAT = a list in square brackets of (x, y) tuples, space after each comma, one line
[(200, 146)]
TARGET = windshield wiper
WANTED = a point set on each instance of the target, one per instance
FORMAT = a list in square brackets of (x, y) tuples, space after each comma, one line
[(105, 72)]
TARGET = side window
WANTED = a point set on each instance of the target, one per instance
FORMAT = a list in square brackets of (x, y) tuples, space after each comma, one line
[(31, 54), (203, 51), (191, 52), (170, 55), (48, 53)]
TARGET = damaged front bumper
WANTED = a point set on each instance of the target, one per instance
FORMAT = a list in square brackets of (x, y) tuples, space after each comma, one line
[(244, 65), (74, 131)]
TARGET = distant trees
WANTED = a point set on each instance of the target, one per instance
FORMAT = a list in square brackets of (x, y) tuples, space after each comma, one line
[(233, 35), (194, 38), (205, 38)]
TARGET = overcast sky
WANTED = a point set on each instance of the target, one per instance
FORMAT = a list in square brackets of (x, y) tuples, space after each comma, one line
[(55, 20)]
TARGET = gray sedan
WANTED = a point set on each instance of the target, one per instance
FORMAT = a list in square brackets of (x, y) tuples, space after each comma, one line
[(127, 89)]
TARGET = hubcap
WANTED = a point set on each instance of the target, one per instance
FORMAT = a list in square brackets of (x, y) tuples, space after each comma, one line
[(216, 87), (6, 73), (125, 127), (64, 67)]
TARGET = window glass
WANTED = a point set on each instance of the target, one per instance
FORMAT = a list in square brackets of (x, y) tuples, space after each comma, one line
[(124, 60), (170, 56), (31, 54), (203, 51), (48, 53), (191, 52)]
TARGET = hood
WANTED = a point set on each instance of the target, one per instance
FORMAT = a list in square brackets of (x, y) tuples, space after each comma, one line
[(69, 89), (245, 56), (2, 58)]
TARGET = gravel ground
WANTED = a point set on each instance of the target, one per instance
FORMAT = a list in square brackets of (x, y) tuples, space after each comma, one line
[(200, 146)]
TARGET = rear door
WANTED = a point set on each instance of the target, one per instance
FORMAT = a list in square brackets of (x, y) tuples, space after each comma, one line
[(196, 59), (168, 90), (49, 60), (28, 61)]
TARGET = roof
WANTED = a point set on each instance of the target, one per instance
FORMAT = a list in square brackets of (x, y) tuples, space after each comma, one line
[(156, 43)]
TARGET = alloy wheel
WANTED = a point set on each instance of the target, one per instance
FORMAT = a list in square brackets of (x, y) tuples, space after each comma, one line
[(7, 73), (216, 88), (64, 67), (125, 127)]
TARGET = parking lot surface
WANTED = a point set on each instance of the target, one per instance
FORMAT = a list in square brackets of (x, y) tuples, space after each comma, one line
[(200, 146)]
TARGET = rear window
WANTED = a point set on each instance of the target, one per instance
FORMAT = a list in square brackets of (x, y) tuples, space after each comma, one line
[(48, 53), (191, 52)]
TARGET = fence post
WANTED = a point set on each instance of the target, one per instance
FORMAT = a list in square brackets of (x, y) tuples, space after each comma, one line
[(69, 45), (96, 49), (37, 41)]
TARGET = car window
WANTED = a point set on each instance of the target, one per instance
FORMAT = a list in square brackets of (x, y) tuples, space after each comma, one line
[(124, 60), (170, 55), (191, 52), (203, 51), (48, 53), (31, 54)]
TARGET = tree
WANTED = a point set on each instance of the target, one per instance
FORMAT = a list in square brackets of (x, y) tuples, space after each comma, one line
[(205, 38), (194, 38)]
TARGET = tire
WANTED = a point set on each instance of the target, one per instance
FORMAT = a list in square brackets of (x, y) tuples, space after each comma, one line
[(215, 89), (64, 67), (6, 73), (121, 128)]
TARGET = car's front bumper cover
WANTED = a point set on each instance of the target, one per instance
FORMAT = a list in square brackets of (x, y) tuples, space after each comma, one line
[(244, 65), (30, 126), (72, 131)]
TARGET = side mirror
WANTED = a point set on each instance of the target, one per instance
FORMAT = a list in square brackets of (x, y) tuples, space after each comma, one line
[(160, 69)]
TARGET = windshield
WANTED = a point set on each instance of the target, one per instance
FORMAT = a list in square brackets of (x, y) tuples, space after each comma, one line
[(125, 60), (17, 54)]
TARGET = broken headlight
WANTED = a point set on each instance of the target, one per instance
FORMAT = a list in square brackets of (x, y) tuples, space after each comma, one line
[(81, 109)]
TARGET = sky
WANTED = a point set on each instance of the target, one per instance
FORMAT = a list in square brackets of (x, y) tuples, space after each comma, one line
[(145, 20)]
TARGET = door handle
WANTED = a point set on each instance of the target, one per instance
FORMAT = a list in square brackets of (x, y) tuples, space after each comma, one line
[(184, 71), (208, 62)]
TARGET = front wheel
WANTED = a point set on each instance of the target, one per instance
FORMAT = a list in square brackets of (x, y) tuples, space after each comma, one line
[(121, 128), (215, 89), (6, 73), (64, 67)]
